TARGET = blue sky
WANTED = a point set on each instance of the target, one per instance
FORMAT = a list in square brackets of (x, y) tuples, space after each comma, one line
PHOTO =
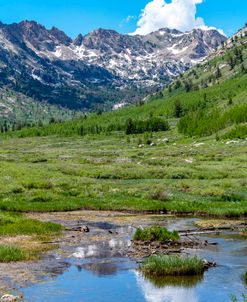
[(82, 16)]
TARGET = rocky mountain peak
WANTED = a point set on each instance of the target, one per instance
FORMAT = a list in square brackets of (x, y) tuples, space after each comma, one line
[(103, 64), (78, 40), (60, 36)]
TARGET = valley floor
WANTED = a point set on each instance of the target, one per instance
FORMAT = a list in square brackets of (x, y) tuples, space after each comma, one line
[(172, 175)]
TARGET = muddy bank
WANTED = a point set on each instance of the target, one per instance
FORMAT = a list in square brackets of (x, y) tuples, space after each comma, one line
[(143, 249), (108, 232)]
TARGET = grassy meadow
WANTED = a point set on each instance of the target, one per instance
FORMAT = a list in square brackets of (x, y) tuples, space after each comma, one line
[(101, 172)]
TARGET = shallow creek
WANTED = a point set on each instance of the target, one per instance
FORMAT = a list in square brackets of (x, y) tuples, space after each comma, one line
[(94, 267)]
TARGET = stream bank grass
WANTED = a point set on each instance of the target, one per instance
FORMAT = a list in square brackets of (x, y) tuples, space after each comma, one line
[(17, 224), (25, 239), (163, 265), (155, 233), (12, 254), (244, 232)]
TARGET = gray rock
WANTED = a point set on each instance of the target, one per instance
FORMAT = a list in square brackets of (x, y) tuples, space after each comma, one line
[(8, 298)]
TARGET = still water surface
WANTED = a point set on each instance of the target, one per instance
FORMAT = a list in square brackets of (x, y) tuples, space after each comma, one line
[(96, 276)]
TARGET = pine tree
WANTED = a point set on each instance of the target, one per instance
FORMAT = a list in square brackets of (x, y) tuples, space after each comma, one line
[(218, 73), (130, 127), (178, 109)]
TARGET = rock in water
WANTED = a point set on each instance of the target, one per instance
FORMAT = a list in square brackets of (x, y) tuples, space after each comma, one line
[(208, 264), (85, 229), (8, 298)]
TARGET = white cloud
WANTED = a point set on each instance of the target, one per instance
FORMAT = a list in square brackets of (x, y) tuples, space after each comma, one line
[(179, 14), (127, 20), (164, 294)]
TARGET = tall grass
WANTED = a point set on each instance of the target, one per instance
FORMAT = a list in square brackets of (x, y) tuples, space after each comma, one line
[(163, 265), (11, 254), (155, 233)]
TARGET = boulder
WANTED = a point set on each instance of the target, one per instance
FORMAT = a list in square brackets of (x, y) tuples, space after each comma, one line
[(8, 298)]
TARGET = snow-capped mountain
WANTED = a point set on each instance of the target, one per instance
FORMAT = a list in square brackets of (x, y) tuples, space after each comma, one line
[(146, 60), (103, 66)]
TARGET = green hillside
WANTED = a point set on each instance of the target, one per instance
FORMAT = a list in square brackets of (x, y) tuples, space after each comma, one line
[(18, 111)]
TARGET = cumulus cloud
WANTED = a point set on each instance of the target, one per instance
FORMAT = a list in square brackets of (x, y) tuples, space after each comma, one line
[(178, 14)]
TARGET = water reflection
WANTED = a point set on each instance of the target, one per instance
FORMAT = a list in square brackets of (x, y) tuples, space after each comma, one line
[(99, 224), (56, 268), (169, 293), (97, 273), (100, 268), (116, 247), (186, 281)]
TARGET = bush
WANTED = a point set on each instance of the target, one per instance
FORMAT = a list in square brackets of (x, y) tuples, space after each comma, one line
[(160, 195), (203, 123), (163, 265), (238, 132), (153, 124), (155, 233)]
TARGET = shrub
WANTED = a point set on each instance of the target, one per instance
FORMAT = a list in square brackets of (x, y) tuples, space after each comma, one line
[(155, 233), (17, 190), (160, 195), (153, 124), (238, 132), (203, 123)]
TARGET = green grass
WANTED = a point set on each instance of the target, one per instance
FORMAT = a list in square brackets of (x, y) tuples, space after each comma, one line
[(245, 277), (163, 265), (239, 132), (30, 246), (14, 224), (61, 174), (155, 233), (12, 254)]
